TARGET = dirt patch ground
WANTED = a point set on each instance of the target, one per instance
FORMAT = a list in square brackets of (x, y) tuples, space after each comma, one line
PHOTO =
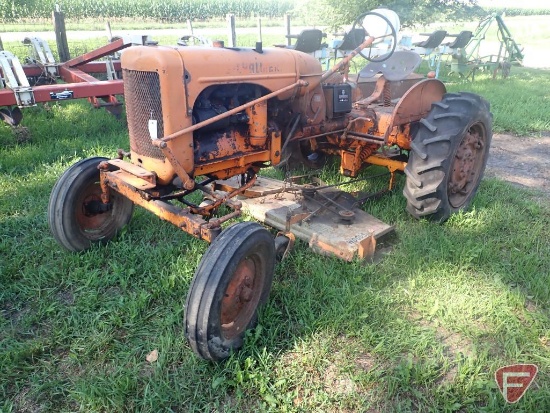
[(522, 161)]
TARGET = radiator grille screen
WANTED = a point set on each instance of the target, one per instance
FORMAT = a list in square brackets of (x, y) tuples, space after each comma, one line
[(142, 96)]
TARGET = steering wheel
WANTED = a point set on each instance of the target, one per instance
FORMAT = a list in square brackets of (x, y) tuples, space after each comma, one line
[(359, 23)]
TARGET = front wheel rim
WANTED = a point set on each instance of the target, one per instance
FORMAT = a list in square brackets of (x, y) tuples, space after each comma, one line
[(241, 297), (92, 223)]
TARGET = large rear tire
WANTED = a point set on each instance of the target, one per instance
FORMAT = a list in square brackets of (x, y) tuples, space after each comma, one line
[(76, 215), (448, 156), (233, 279)]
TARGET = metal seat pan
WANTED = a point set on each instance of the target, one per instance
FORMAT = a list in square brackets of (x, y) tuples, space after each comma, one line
[(397, 67)]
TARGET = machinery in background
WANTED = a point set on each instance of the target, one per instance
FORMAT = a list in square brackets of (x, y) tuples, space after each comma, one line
[(468, 60), (38, 81)]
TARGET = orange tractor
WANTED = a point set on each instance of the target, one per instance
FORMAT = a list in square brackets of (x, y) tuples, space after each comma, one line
[(198, 115)]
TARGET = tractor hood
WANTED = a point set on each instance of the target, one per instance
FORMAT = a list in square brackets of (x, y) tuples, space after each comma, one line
[(273, 68)]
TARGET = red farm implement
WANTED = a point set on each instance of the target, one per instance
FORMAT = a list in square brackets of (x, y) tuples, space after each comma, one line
[(44, 80)]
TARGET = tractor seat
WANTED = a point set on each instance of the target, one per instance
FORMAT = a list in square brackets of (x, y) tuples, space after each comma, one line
[(462, 39), (397, 67), (352, 39), (308, 41), (433, 40)]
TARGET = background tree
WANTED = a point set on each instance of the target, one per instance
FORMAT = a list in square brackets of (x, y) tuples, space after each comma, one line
[(411, 12)]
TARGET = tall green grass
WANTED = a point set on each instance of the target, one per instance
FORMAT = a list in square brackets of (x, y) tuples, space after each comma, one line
[(524, 113), (424, 329)]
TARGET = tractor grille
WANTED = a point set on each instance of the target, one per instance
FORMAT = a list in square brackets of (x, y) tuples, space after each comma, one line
[(142, 96)]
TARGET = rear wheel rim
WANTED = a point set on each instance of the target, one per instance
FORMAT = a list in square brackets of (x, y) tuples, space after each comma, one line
[(467, 165)]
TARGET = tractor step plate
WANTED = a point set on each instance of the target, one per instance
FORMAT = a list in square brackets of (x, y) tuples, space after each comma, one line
[(335, 228)]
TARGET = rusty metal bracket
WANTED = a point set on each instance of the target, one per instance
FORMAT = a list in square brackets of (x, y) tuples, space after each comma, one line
[(182, 218), (292, 218), (224, 199), (289, 244), (378, 90), (367, 247), (188, 182), (391, 164)]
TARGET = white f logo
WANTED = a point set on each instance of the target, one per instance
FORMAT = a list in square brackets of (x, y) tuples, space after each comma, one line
[(513, 381), (506, 384)]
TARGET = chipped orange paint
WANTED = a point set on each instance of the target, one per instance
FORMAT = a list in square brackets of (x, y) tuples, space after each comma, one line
[(179, 75)]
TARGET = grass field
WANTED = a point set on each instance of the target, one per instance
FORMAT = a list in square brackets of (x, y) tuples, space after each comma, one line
[(424, 329)]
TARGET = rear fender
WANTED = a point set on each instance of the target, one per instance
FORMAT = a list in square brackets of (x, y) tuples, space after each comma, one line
[(416, 103)]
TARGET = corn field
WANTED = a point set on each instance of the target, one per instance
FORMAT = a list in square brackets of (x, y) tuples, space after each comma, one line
[(160, 10)]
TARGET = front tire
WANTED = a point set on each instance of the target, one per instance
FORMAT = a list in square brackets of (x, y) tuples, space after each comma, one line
[(233, 278), (448, 156), (76, 215)]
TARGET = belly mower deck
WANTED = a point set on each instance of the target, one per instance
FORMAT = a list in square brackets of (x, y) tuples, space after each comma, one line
[(325, 217)]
